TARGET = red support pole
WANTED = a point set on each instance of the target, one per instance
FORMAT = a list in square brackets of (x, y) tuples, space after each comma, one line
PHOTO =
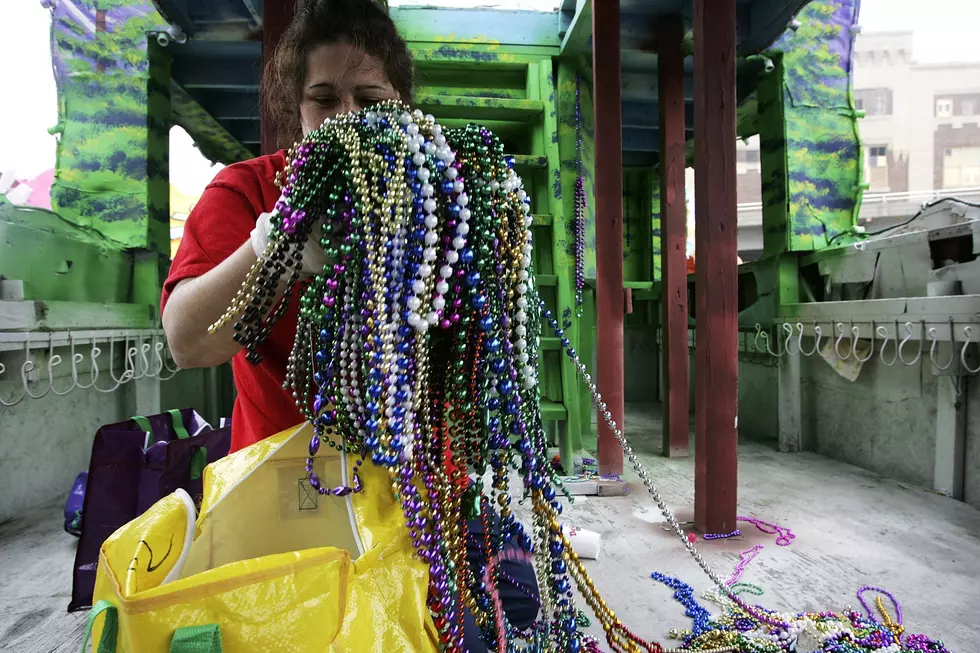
[(716, 277), (275, 20), (673, 233), (610, 297)]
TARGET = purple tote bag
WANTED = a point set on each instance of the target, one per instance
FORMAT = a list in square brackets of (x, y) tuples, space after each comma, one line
[(133, 465)]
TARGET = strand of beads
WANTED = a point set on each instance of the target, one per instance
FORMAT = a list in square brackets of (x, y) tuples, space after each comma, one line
[(784, 536), (867, 609), (580, 202), (744, 558), (722, 536), (641, 472)]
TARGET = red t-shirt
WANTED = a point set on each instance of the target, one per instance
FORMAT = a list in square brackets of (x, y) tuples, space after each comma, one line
[(219, 223)]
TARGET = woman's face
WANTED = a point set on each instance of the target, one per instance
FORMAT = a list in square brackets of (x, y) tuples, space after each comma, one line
[(340, 78)]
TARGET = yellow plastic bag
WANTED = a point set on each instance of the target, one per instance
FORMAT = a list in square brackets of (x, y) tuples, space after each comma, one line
[(273, 565)]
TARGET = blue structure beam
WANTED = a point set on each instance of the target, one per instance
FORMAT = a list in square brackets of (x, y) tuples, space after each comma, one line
[(578, 35)]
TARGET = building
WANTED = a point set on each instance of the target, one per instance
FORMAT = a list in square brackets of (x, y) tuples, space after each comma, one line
[(921, 136)]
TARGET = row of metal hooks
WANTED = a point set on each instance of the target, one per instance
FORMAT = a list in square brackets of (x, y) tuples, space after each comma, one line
[(144, 357), (845, 343)]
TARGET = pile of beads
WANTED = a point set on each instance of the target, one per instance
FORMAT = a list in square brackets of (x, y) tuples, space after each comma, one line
[(805, 632), (417, 350)]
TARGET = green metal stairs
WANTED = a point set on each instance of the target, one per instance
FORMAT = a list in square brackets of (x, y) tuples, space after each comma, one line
[(513, 94)]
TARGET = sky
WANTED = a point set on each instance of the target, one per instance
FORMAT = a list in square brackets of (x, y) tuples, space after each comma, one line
[(944, 32)]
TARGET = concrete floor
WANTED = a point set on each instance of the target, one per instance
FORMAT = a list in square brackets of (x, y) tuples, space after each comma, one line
[(853, 528)]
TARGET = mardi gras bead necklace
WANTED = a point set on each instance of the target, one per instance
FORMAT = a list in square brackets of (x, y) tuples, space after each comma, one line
[(580, 201)]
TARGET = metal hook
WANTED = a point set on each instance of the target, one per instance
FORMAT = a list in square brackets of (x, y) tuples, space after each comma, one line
[(53, 361), (93, 365), (5, 403), (760, 334), (839, 327), (160, 347), (934, 336), (145, 355), (818, 330), (765, 339), (855, 336), (129, 358), (132, 358), (28, 367), (882, 332), (967, 333), (75, 360), (788, 330), (127, 374), (905, 340)]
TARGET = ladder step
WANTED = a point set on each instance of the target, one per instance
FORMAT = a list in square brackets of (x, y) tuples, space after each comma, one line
[(552, 411), (550, 344), (643, 290), (542, 220), (502, 128), (480, 108), (546, 280)]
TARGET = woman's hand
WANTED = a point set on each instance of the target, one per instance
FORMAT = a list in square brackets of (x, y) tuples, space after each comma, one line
[(314, 258)]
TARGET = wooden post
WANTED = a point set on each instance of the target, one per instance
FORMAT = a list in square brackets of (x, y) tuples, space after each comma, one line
[(277, 14), (716, 280), (673, 230), (610, 308)]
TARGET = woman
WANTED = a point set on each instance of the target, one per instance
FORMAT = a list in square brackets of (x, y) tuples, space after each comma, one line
[(336, 56)]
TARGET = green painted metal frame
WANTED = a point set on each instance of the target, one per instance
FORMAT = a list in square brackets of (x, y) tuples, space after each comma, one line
[(510, 89)]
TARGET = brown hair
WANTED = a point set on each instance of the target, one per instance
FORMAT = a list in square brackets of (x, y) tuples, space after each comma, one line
[(361, 23)]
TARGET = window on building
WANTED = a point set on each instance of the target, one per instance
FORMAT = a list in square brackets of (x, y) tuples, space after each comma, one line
[(874, 101), (876, 167), (944, 107), (961, 167), (747, 161), (879, 156), (968, 107)]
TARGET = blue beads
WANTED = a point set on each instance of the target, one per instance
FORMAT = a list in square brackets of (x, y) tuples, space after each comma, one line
[(472, 278), (684, 594), (486, 323)]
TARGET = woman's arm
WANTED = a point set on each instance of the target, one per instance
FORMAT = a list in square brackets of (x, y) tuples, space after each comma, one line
[(195, 304)]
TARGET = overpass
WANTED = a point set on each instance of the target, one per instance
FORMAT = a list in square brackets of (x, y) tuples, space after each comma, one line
[(878, 211)]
